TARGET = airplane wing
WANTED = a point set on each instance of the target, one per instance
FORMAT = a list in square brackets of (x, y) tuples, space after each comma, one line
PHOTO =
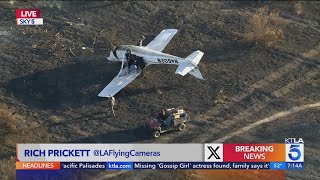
[(161, 41), (119, 82)]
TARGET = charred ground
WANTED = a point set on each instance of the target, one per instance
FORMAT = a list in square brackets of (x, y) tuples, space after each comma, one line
[(49, 82)]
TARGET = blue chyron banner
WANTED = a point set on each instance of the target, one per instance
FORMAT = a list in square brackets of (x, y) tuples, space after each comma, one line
[(88, 170)]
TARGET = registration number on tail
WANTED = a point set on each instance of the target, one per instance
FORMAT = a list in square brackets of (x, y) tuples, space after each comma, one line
[(171, 61)]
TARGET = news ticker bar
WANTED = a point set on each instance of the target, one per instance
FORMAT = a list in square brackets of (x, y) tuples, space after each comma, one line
[(159, 165), (293, 152)]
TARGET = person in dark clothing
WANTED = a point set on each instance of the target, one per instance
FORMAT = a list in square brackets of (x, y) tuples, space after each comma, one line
[(140, 64), (136, 60), (165, 118), (130, 59), (163, 114)]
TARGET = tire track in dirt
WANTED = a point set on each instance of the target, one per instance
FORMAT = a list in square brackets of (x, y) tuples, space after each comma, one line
[(204, 129), (266, 120), (243, 116), (277, 93), (302, 24), (296, 58), (216, 127), (204, 134), (261, 84), (233, 122), (313, 53)]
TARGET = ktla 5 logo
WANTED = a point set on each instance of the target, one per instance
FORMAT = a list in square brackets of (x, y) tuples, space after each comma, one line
[(294, 152)]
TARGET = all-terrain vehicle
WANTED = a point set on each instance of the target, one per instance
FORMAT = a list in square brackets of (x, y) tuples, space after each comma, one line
[(178, 116)]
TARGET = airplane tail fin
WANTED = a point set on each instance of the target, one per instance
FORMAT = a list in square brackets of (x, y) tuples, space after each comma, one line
[(191, 65)]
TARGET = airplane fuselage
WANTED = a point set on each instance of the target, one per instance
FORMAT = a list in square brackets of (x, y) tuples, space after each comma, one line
[(149, 56)]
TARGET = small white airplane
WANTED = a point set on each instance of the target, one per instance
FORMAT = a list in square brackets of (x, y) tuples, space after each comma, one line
[(151, 54)]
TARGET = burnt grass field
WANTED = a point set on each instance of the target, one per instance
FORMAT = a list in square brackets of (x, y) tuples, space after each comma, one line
[(50, 75)]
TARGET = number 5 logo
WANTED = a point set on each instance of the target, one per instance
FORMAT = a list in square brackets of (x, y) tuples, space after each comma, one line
[(294, 152)]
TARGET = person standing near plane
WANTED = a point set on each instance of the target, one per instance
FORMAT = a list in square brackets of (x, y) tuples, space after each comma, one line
[(129, 58), (135, 60), (112, 101)]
